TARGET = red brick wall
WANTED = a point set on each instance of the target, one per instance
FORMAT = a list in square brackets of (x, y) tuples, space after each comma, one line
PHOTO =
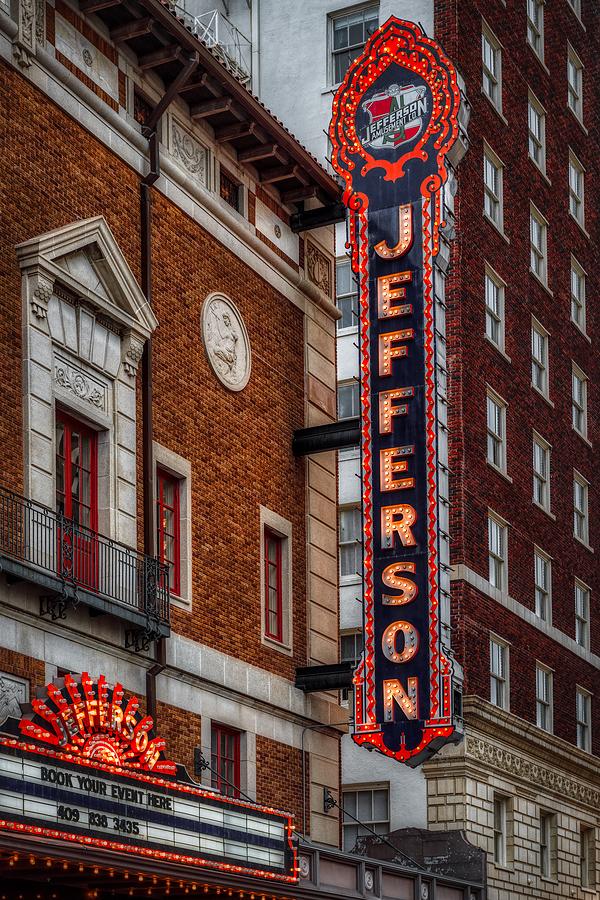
[(279, 778), (181, 731), (239, 444), (14, 663), (474, 363)]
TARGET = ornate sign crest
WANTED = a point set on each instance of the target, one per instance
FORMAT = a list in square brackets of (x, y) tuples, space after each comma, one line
[(394, 120)]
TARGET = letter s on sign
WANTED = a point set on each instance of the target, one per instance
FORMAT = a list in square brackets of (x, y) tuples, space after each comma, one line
[(392, 579)]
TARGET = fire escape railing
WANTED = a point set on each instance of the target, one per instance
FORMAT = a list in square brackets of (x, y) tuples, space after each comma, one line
[(130, 584)]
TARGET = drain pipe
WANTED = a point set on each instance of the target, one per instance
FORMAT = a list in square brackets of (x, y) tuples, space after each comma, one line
[(151, 131)]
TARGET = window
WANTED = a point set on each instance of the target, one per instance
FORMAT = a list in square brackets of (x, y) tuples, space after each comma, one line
[(492, 183), (541, 472), (576, 207), (348, 399), (535, 26), (543, 698), (351, 647), (492, 67), (230, 190), (350, 542), (539, 357), (500, 818), (499, 695), (547, 844), (497, 541), (575, 6), (350, 33), (167, 526), (496, 431), (371, 806), (543, 585), (583, 710), (346, 296), (76, 472), (539, 244), (225, 760), (579, 400), (273, 544), (580, 508), (494, 308), (574, 83), (577, 294), (582, 614), (537, 132), (587, 856)]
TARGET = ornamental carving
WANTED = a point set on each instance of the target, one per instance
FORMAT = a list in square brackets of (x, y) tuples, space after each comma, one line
[(40, 291), (13, 692), (133, 349), (226, 342), (533, 773), (25, 39), (318, 268), (189, 152), (81, 386)]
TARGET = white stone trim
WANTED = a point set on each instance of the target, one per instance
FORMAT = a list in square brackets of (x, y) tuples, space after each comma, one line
[(181, 469), (464, 573), (283, 528)]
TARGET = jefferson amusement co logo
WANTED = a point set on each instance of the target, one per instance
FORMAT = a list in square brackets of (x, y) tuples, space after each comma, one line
[(395, 116)]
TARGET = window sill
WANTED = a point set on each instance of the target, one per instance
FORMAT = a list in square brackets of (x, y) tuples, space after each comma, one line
[(585, 439), (583, 543), (349, 580), (496, 227), (497, 348), (581, 331), (544, 284), (544, 510), (180, 602), (351, 329), (540, 171), (539, 58), (542, 395), (276, 645), (494, 107), (500, 472), (580, 225), (578, 120)]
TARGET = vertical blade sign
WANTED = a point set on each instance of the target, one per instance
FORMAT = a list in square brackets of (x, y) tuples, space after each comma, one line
[(395, 117)]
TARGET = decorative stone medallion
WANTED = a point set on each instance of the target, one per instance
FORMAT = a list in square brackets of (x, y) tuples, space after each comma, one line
[(226, 341)]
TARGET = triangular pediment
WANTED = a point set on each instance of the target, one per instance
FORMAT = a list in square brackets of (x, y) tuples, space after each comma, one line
[(85, 257)]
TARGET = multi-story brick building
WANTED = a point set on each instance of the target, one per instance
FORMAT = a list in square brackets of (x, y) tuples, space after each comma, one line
[(521, 369)]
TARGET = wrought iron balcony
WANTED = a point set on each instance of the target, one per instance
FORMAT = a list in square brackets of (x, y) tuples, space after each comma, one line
[(74, 564)]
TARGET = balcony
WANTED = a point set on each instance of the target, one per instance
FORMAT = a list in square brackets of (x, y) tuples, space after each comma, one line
[(73, 565)]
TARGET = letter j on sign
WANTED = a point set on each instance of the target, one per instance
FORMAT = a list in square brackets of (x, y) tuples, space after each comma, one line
[(395, 117)]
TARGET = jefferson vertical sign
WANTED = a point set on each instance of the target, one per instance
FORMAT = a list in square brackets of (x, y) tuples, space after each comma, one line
[(395, 117)]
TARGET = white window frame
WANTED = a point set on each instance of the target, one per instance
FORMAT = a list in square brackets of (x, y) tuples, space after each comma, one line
[(582, 613), (583, 738), (535, 32), (491, 197), (575, 89), (579, 404), (587, 856), (352, 296), (538, 258), (354, 384), (500, 681), (354, 633), (576, 191), (544, 698), (500, 561), (535, 140), (352, 577), (542, 479), (540, 365), (500, 836), (342, 14), (578, 304), (180, 469), (576, 7), (543, 592), (356, 789), (496, 431), (548, 835), (495, 317), (282, 528), (581, 514), (491, 81)]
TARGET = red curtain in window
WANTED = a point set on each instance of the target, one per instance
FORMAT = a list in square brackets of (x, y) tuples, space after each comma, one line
[(167, 523), (273, 586), (225, 760)]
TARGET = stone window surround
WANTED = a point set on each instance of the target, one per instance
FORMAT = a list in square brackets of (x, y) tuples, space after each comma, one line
[(181, 469), (82, 344), (247, 756), (283, 528)]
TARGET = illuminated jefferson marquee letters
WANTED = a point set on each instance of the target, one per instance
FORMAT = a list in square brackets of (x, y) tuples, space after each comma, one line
[(394, 120)]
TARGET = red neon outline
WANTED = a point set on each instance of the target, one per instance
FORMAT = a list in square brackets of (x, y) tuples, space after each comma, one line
[(401, 42)]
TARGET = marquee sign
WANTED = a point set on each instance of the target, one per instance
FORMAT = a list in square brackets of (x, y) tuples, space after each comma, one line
[(84, 766), (395, 117)]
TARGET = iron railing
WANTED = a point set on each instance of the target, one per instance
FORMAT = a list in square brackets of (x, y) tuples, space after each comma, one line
[(79, 558), (227, 42)]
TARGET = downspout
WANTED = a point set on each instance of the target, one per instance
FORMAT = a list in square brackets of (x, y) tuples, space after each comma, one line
[(151, 132)]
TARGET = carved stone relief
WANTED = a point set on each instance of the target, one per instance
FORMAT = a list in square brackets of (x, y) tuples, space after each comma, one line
[(189, 152), (132, 350), (82, 53), (226, 341), (318, 268), (13, 692), (80, 385), (24, 47)]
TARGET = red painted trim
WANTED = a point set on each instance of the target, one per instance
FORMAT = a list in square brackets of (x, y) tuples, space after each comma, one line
[(221, 759), (70, 425), (161, 478), (271, 538)]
